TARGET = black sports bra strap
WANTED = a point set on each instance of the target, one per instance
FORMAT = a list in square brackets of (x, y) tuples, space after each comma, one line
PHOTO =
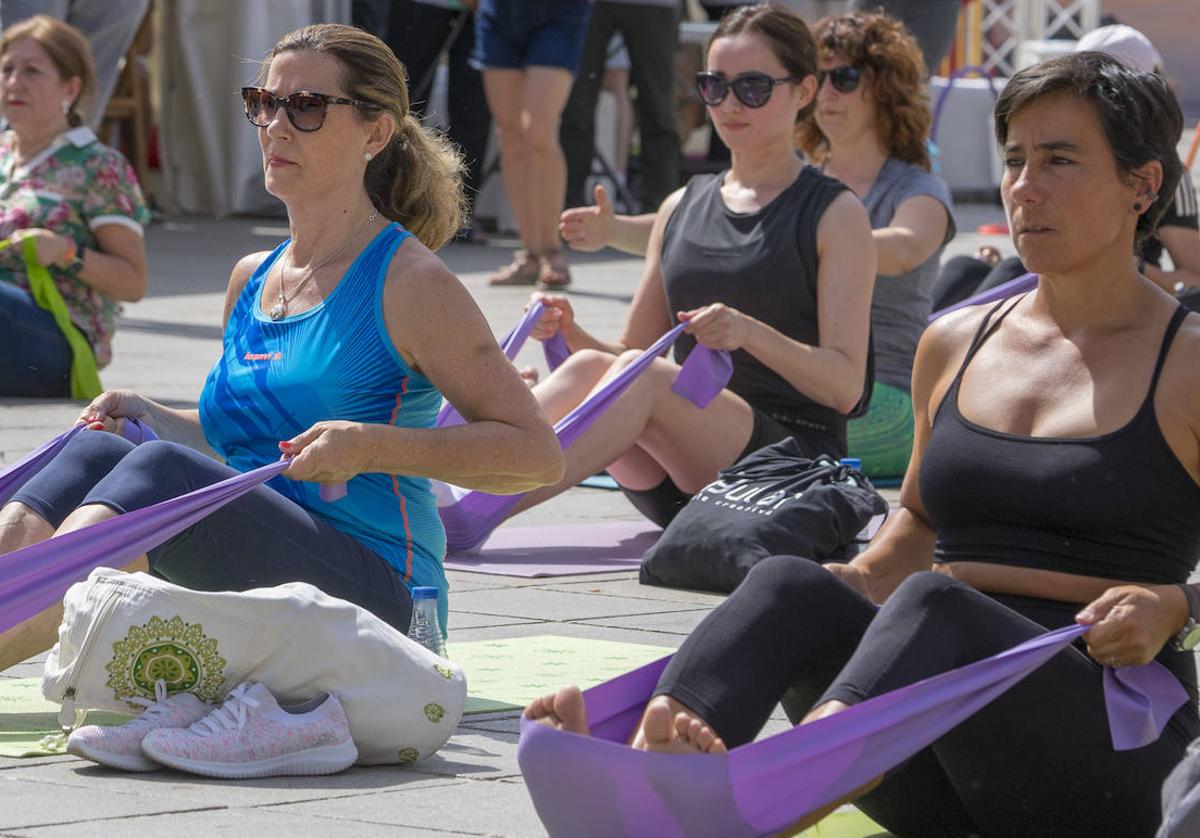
[(986, 327), (1181, 312)]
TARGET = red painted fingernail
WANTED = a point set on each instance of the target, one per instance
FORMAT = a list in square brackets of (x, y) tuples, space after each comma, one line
[(285, 445), (96, 426)]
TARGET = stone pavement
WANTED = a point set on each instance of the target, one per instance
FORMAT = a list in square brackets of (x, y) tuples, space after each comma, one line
[(164, 348)]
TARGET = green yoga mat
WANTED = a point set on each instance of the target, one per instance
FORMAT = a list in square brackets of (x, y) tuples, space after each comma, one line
[(507, 674), (26, 719)]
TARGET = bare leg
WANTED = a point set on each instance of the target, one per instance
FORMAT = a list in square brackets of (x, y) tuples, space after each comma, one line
[(20, 527), (505, 91), (38, 633), (545, 96), (652, 428)]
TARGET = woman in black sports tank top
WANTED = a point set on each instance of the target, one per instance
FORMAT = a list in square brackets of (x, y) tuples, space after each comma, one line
[(770, 260), (1055, 479)]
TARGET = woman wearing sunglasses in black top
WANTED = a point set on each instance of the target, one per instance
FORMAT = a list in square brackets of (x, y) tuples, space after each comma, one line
[(770, 260)]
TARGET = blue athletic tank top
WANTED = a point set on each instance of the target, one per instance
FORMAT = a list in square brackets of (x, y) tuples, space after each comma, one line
[(276, 379)]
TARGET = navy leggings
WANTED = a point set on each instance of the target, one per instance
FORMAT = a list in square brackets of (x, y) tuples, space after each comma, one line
[(1036, 761), (261, 539), (35, 358)]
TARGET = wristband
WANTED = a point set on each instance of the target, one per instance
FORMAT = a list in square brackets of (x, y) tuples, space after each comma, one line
[(72, 252), (76, 263)]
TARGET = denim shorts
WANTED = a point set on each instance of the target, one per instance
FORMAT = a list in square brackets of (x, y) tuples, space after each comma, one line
[(514, 34)]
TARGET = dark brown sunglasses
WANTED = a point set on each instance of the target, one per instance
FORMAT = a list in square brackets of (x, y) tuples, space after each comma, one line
[(305, 109)]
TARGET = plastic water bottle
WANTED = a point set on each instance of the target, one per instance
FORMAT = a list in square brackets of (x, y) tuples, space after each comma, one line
[(425, 627)]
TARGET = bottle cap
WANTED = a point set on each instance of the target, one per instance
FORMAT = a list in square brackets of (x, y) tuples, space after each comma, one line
[(853, 462), (425, 592)]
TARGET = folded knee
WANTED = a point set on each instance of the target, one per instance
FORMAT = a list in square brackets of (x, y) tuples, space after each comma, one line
[(923, 590), (787, 577)]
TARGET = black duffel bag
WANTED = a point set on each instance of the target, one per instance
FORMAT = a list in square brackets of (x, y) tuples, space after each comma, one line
[(771, 502)]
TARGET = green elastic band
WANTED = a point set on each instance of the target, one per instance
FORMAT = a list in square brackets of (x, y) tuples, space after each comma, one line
[(85, 379)]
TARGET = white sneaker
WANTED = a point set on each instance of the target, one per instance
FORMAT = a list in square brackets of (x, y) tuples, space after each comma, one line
[(121, 746), (251, 735)]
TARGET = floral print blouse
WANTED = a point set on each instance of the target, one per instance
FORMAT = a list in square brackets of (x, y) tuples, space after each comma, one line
[(73, 187)]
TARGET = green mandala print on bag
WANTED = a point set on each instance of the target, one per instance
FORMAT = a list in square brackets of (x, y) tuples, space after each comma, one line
[(173, 651)]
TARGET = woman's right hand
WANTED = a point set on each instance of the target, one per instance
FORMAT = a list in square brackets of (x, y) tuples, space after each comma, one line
[(558, 316), (110, 409), (589, 228)]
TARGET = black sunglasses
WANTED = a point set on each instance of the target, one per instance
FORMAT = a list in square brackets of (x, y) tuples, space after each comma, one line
[(844, 79), (751, 89), (305, 110)]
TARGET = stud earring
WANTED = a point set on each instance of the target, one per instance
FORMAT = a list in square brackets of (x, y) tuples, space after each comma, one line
[(368, 156), (1137, 207)]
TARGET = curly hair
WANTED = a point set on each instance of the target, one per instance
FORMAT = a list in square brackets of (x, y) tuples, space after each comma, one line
[(893, 69)]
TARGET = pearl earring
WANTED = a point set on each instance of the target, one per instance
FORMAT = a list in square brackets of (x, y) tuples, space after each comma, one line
[(368, 156), (66, 106)]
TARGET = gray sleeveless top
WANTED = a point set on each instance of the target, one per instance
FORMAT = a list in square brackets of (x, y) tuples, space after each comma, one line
[(764, 264)]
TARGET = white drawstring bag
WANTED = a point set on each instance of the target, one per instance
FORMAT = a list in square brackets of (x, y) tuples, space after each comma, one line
[(123, 632)]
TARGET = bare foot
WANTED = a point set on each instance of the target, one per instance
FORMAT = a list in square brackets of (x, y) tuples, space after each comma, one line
[(669, 727), (529, 375), (563, 710)]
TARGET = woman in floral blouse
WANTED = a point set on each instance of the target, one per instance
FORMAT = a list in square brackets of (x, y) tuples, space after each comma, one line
[(75, 197)]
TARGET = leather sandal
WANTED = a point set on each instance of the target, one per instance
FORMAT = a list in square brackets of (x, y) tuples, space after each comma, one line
[(553, 272), (523, 270)]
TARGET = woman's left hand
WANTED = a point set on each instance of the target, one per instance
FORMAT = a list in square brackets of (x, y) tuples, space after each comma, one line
[(1131, 623), (328, 452), (52, 249), (717, 326)]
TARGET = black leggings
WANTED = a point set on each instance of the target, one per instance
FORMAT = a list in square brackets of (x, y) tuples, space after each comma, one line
[(262, 539), (1036, 761)]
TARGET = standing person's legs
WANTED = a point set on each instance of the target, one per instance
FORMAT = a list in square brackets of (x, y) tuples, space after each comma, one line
[(651, 33), (415, 32), (505, 90), (578, 132), (467, 110), (35, 358), (545, 94), (110, 26)]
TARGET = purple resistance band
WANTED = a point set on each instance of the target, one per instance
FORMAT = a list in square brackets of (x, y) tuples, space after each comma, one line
[(598, 786), (1020, 285), (36, 577), (470, 520)]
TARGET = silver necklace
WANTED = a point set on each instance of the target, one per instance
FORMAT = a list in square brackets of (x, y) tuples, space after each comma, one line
[(279, 310)]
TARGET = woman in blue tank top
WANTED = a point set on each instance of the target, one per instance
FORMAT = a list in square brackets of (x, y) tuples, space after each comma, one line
[(338, 348)]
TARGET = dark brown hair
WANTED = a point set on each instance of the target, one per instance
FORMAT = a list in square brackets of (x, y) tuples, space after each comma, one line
[(417, 178), (68, 50), (894, 71), (790, 38), (1138, 113)]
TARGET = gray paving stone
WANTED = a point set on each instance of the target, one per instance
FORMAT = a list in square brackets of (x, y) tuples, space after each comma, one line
[(537, 603), (571, 629), (466, 620), (628, 586), (673, 622), (476, 808), (266, 821)]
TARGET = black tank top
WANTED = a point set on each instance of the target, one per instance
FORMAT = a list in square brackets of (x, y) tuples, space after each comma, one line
[(1118, 506), (764, 264)]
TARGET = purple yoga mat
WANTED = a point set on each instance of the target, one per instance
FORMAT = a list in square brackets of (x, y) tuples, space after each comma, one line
[(560, 549), (470, 520), (1003, 291), (596, 785)]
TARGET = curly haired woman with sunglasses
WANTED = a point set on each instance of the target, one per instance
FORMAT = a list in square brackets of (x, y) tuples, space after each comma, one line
[(770, 260), (339, 346)]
